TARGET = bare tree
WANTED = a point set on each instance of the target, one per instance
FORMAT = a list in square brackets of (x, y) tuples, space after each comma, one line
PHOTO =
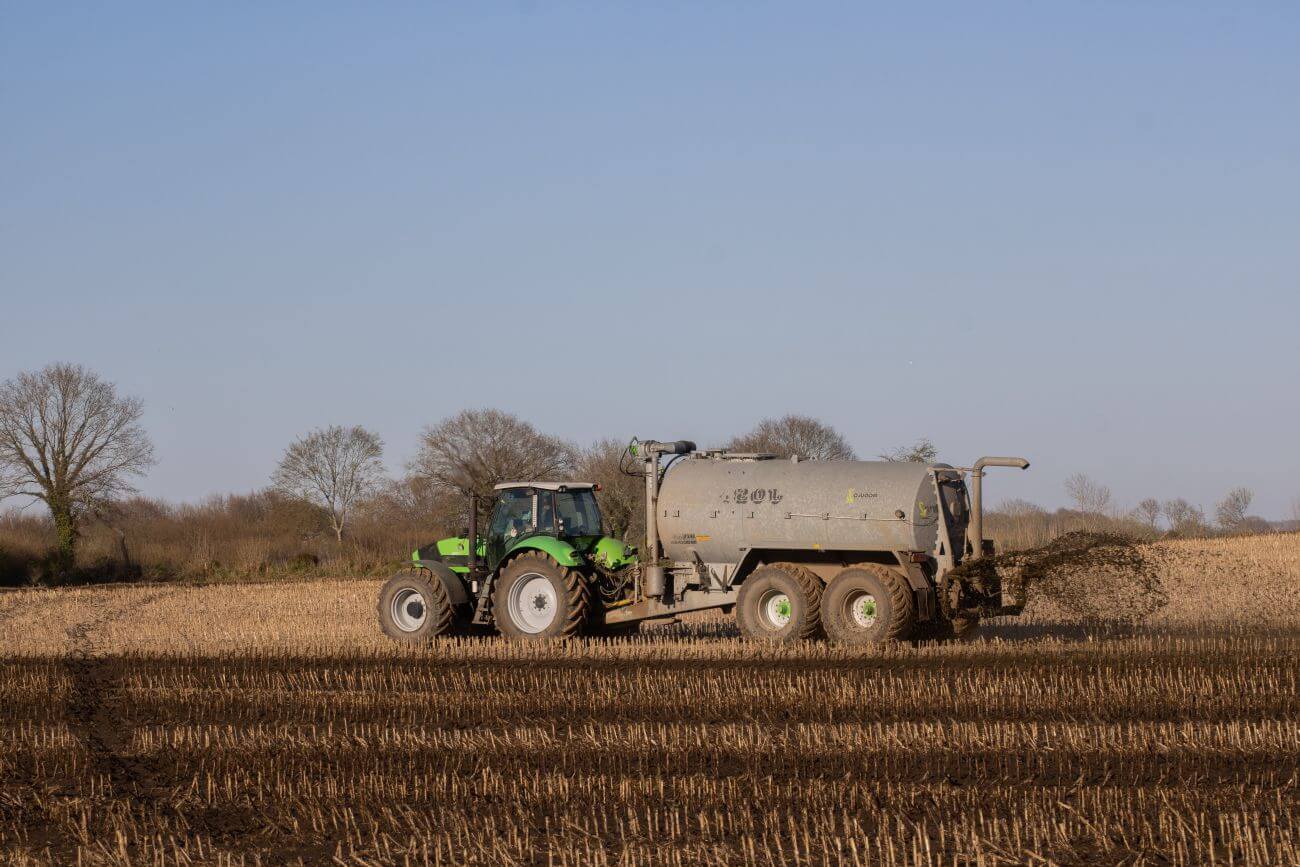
[(1295, 513), (1256, 526), (920, 452), (1018, 508), (333, 467), (792, 435), (1184, 518), (1148, 512), (622, 491), (408, 500), (68, 440), (478, 448), (1231, 511), (1089, 496)]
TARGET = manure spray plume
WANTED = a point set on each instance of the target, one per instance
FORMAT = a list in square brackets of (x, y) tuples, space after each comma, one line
[(1086, 576)]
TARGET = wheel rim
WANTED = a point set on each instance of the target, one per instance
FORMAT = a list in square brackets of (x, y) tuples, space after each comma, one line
[(533, 603), (408, 609), (862, 609), (776, 608)]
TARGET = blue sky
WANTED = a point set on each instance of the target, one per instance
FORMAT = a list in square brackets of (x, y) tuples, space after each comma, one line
[(1064, 230)]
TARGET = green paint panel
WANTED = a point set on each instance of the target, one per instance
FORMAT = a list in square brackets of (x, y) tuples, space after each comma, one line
[(454, 546), (613, 553), (558, 549)]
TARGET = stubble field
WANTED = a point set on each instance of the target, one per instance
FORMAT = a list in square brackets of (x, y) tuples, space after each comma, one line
[(273, 724)]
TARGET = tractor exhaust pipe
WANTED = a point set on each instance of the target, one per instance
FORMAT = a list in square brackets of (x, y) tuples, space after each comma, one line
[(977, 498), (471, 556)]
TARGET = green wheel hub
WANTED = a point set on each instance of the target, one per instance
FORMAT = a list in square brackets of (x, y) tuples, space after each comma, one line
[(776, 608), (863, 609)]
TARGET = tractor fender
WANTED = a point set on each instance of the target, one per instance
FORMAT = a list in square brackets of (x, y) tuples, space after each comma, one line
[(451, 582), (557, 549)]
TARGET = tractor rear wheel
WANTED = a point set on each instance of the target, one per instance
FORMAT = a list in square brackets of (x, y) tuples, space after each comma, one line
[(413, 607), (537, 598), (867, 605), (780, 603)]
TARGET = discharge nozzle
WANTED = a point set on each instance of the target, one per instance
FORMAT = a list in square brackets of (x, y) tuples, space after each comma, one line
[(644, 448)]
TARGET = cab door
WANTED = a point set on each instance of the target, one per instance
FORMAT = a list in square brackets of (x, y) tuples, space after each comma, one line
[(513, 518)]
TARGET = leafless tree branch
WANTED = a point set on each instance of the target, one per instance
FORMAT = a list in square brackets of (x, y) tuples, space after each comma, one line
[(791, 435), (333, 467)]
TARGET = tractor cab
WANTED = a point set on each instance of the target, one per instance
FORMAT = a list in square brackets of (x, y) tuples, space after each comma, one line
[(561, 510)]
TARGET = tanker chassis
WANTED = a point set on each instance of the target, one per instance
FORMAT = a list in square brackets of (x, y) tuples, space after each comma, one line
[(857, 551)]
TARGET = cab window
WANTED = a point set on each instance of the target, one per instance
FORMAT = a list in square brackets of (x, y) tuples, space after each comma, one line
[(545, 512), (578, 512)]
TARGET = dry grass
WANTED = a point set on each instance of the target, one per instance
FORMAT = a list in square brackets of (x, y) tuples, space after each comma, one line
[(235, 723), (229, 538)]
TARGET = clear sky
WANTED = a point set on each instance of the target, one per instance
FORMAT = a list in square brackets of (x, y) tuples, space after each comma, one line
[(1064, 230)]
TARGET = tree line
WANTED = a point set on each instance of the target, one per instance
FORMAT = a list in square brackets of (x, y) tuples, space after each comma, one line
[(71, 442)]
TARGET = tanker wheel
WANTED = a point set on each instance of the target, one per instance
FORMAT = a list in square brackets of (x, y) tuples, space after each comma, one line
[(780, 603), (867, 605), (538, 599), (413, 607)]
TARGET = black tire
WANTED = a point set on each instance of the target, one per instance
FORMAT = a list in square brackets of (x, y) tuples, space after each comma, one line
[(891, 615), (558, 605), (413, 607), (758, 607)]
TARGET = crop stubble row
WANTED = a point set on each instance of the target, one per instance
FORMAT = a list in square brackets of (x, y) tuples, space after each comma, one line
[(985, 752)]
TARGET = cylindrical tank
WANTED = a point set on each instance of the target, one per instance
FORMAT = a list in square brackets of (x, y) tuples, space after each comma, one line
[(718, 508)]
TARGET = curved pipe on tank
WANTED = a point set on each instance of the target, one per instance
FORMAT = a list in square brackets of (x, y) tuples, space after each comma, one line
[(653, 576), (977, 498)]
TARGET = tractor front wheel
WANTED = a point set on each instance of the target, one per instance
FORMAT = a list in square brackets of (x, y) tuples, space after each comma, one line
[(537, 598)]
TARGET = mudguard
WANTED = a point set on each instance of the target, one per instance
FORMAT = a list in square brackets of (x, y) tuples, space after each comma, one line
[(457, 593), (557, 549)]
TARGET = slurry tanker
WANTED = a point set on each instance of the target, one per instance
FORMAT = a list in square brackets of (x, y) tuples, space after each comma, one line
[(856, 551)]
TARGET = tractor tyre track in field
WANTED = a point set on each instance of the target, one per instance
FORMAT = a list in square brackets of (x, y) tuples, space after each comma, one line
[(97, 717)]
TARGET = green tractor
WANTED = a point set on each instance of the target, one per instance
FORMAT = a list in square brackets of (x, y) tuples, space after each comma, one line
[(532, 575)]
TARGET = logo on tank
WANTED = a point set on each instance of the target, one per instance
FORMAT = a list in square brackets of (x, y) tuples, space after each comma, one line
[(754, 495)]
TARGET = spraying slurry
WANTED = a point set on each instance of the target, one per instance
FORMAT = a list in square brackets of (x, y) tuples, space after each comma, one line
[(1083, 576)]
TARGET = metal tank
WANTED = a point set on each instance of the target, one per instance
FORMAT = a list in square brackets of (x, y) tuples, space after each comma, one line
[(717, 506)]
